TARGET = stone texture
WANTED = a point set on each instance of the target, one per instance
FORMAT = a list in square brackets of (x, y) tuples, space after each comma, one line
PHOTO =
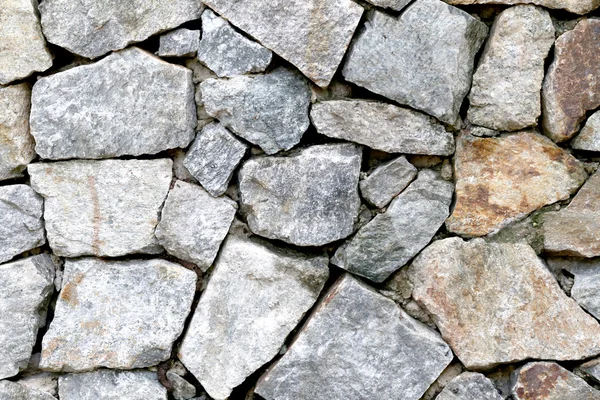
[(589, 137), (357, 344), (117, 314), (111, 385), (423, 59), (497, 303), (550, 381), (382, 127), (307, 199), (213, 157), (256, 296), (591, 369), (574, 6), (103, 208), (129, 103), (16, 149), (21, 225), (26, 288), (387, 181), (311, 34), (15, 391), (586, 283), (500, 180), (92, 28), (46, 382), (22, 46), (193, 224), (268, 110), (391, 239), (227, 52), (395, 5), (182, 389), (569, 92), (470, 386), (179, 43), (505, 94)]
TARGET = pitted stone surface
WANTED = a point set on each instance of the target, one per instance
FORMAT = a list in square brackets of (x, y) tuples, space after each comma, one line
[(111, 385), (179, 43)]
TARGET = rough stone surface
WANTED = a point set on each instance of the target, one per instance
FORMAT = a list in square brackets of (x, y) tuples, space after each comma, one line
[(589, 137), (129, 103), (16, 144), (424, 58), (500, 180), (395, 5), (497, 303), (357, 345), (505, 94), (382, 126), (569, 91), (117, 314), (193, 224), (21, 225), (574, 6), (46, 382), (179, 43), (311, 34), (470, 386), (15, 391), (213, 157), (227, 52), (182, 389), (256, 296), (307, 199), (111, 385), (103, 208), (268, 110), (22, 46), (26, 288), (92, 28), (387, 181), (591, 369), (391, 239), (550, 381)]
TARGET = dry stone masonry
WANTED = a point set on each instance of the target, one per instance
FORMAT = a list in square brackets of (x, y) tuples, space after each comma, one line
[(300, 200)]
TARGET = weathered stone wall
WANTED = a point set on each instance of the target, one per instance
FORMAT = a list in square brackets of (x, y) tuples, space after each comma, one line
[(299, 200)]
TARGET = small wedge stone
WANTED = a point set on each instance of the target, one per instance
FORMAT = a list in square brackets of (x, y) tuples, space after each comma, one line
[(179, 43), (591, 369), (574, 6), (469, 386), (396, 5), (15, 391), (111, 385), (182, 389), (589, 137), (387, 181)]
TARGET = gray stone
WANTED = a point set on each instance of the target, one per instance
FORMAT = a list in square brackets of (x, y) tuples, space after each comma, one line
[(591, 369), (391, 239), (357, 345), (92, 28), (574, 6), (227, 52), (387, 181), (311, 34), (269, 110), (111, 385), (308, 199), (589, 137), (15, 391), (129, 103), (382, 126), (505, 94), (193, 224), (103, 208), (117, 314), (182, 389), (22, 46), (46, 382), (470, 386), (26, 288), (21, 225), (482, 132), (17, 146), (213, 157), (256, 296), (179, 43), (395, 5), (423, 59)]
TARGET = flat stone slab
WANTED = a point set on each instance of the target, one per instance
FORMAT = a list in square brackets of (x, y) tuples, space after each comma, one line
[(391, 239), (109, 385), (256, 296), (129, 103), (423, 58), (179, 43), (15, 391), (469, 386), (103, 208), (117, 314), (382, 127), (502, 179), (498, 303), (297, 30), (387, 181), (92, 28), (27, 285), (17, 144), (574, 6), (589, 137), (268, 110), (193, 224), (357, 344), (308, 199), (21, 225)]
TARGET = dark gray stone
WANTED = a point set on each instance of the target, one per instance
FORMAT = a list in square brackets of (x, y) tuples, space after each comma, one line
[(387, 181)]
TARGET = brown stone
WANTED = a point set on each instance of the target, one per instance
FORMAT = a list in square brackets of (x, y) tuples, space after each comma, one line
[(502, 179), (574, 6), (572, 83)]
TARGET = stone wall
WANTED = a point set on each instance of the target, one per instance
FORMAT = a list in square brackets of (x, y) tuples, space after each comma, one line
[(299, 200)]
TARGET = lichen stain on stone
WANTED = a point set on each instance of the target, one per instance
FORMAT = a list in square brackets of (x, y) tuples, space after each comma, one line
[(539, 381), (69, 291)]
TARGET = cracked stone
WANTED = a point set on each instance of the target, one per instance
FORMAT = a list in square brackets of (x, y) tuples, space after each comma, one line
[(15, 391), (387, 181), (111, 385), (469, 386), (589, 137), (179, 43)]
